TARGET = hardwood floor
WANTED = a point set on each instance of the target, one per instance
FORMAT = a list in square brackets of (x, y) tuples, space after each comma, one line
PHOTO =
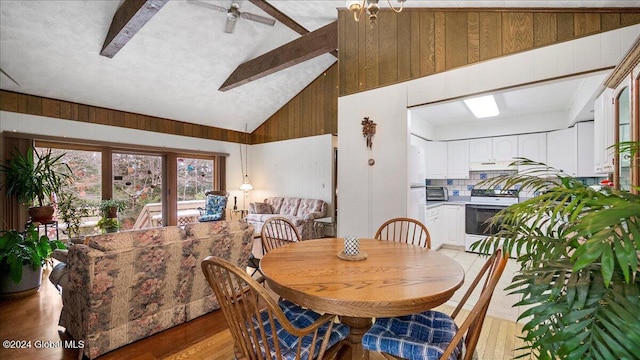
[(34, 318)]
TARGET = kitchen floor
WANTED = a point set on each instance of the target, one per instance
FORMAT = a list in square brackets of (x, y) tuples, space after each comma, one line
[(501, 303)]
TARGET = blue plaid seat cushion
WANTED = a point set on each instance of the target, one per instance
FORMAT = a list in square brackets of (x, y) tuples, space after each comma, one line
[(299, 318), (214, 208), (417, 336)]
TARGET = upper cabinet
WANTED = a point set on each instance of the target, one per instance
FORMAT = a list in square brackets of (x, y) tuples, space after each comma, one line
[(533, 147), (585, 152), (603, 133), (562, 150), (505, 148), (436, 159), (571, 150), (623, 87), (458, 159), (623, 126), (481, 150), (498, 151)]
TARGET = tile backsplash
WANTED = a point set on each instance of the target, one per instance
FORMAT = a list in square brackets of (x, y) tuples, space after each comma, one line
[(462, 187)]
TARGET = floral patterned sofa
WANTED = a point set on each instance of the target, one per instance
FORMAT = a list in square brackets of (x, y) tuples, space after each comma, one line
[(122, 287), (301, 212)]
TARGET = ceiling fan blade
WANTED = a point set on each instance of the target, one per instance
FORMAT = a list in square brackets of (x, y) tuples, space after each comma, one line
[(208, 5), (258, 18), (10, 78), (229, 26)]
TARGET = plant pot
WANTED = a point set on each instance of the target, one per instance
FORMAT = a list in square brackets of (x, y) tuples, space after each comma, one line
[(31, 279), (113, 212), (41, 214), (111, 230)]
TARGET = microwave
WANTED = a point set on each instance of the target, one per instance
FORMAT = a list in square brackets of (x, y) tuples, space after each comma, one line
[(437, 193)]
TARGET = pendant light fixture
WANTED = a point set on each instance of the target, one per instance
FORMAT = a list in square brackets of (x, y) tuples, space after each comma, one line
[(246, 184)]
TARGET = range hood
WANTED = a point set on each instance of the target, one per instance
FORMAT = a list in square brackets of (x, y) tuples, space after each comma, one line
[(491, 165)]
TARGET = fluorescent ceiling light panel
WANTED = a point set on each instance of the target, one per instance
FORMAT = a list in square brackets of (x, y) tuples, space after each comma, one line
[(483, 107)]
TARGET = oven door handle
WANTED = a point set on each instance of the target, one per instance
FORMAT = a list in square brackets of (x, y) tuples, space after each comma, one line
[(486, 206)]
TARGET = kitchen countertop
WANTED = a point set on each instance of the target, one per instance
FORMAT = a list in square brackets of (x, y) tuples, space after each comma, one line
[(434, 204)]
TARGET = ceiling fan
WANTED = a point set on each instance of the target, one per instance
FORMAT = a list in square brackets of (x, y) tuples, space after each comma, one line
[(233, 13)]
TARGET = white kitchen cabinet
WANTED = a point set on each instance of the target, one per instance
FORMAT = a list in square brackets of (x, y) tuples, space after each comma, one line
[(585, 149), (436, 155), (505, 148), (562, 150), (453, 224), (533, 147), (458, 159), (501, 148), (481, 150), (603, 133), (435, 226)]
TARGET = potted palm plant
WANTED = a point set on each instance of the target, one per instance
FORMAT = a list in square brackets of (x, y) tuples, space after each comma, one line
[(22, 255), (578, 251), (33, 178)]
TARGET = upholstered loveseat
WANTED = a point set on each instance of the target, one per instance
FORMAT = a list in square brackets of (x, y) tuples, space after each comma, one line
[(122, 287), (301, 212)]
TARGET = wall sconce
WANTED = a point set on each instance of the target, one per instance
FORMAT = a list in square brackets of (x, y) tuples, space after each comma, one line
[(357, 8)]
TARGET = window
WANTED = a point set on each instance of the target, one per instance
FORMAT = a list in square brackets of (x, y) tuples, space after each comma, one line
[(86, 188), (195, 177), (140, 176), (137, 180)]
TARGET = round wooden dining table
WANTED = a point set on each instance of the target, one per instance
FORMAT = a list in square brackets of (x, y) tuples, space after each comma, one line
[(395, 279)]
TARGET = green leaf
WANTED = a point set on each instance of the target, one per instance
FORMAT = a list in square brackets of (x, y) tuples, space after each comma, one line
[(15, 268), (608, 262), (587, 254)]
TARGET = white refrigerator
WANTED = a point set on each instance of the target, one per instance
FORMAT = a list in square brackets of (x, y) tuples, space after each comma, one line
[(417, 194)]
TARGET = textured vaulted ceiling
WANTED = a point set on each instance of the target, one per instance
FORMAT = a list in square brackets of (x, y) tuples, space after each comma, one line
[(173, 67)]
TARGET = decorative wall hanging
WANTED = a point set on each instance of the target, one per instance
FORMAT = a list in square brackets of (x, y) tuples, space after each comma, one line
[(368, 130)]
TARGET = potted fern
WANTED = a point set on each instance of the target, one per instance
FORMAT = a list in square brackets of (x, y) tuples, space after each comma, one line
[(578, 251)]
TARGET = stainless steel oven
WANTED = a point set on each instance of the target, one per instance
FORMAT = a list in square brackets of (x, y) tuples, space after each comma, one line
[(483, 206)]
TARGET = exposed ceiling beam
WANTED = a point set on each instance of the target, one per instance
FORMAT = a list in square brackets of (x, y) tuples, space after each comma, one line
[(280, 16), (127, 21), (313, 44), (283, 18)]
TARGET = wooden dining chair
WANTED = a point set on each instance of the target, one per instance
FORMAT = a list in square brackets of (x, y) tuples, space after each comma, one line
[(433, 334), (263, 328), (405, 230), (277, 232)]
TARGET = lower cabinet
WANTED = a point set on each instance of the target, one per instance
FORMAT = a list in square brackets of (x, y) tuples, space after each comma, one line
[(446, 225), (435, 226), (453, 224)]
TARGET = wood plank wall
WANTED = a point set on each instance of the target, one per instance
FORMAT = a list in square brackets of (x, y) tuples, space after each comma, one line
[(420, 42), (400, 47), (40, 106), (314, 111)]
